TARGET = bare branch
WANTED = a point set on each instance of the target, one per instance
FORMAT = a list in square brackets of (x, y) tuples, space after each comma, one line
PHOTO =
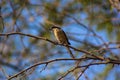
[(47, 62), (69, 71), (43, 38), (108, 61), (19, 33)]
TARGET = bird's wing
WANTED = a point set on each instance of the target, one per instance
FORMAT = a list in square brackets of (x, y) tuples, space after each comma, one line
[(66, 37)]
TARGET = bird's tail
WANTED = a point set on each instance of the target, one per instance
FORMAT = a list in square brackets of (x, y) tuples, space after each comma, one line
[(70, 52)]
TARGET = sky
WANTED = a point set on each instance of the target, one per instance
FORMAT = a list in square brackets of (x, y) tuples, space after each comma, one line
[(73, 29)]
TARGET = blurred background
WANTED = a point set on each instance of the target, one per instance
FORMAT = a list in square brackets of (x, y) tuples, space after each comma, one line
[(91, 25)]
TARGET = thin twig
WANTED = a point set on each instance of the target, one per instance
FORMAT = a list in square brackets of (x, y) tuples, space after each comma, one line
[(46, 62), (69, 71), (43, 38), (20, 33)]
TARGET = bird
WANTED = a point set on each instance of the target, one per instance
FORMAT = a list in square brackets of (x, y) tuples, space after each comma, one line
[(61, 37)]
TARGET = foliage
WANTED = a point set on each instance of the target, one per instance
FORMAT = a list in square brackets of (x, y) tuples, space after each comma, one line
[(92, 26)]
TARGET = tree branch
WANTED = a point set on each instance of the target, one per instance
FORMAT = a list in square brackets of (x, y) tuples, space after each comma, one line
[(65, 59)]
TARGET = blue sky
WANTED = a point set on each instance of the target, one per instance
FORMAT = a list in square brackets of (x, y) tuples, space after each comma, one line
[(34, 27)]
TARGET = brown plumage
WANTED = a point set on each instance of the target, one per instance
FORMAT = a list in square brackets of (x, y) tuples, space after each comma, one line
[(61, 38), (60, 35)]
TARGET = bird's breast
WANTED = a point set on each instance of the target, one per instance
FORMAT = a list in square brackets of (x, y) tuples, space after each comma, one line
[(60, 36)]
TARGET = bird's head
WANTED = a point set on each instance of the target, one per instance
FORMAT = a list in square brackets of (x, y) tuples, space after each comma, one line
[(54, 27)]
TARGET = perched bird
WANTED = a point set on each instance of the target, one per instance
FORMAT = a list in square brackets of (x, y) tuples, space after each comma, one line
[(61, 37)]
